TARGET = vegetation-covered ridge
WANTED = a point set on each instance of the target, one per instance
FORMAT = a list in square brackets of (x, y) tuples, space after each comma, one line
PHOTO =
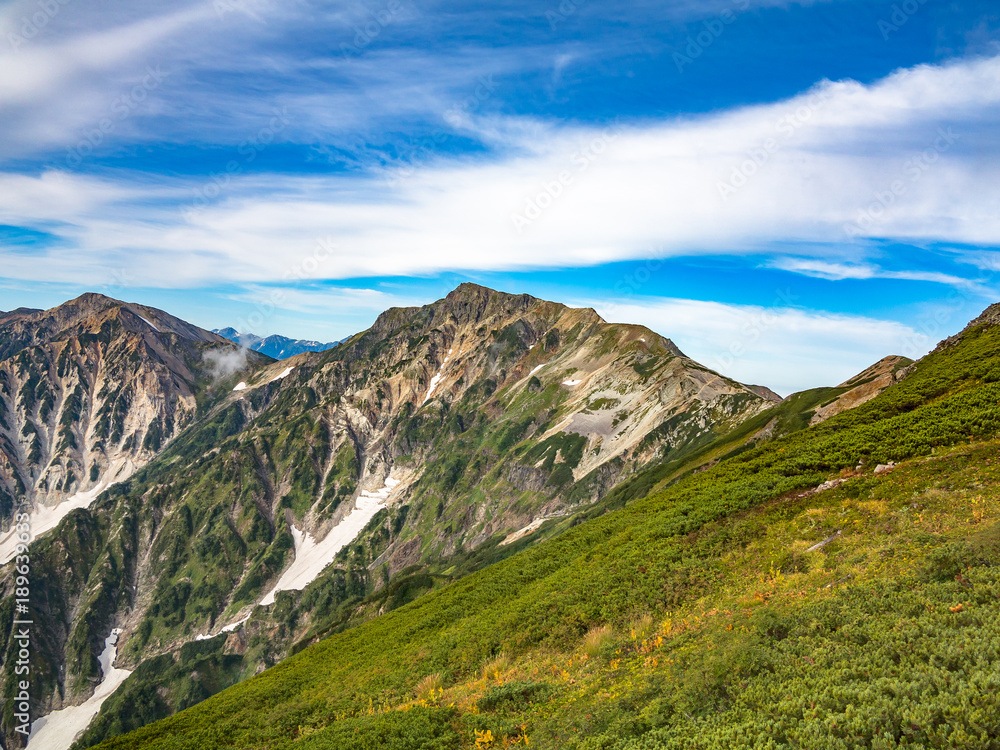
[(90, 392), (739, 607)]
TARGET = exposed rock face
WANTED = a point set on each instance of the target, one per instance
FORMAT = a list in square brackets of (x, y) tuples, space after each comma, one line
[(764, 392), (988, 317), (89, 392), (628, 394), (865, 386)]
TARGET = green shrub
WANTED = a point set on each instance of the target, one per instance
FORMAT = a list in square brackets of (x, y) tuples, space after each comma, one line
[(513, 695)]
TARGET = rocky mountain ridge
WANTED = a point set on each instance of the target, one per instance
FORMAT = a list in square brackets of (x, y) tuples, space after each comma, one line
[(92, 390), (864, 386)]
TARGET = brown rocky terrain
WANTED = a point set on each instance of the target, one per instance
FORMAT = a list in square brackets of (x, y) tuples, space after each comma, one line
[(92, 390), (864, 386)]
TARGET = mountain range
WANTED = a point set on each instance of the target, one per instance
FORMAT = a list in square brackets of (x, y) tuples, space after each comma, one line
[(274, 346), (472, 486)]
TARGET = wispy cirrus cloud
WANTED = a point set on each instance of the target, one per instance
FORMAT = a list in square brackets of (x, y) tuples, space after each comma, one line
[(839, 271), (572, 195), (343, 69)]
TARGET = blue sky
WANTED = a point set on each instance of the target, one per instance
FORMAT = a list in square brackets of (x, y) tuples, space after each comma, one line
[(789, 190)]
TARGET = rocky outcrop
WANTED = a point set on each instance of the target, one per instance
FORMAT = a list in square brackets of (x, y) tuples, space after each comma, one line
[(864, 386)]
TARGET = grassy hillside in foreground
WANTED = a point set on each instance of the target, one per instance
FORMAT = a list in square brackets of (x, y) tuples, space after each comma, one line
[(697, 615)]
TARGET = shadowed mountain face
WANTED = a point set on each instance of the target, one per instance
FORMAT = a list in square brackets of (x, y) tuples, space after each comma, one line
[(442, 438), (93, 389), (274, 346)]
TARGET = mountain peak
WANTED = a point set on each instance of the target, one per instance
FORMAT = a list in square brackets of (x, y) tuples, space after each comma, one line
[(988, 317), (90, 313), (275, 346), (86, 305), (471, 302), (95, 299), (468, 290)]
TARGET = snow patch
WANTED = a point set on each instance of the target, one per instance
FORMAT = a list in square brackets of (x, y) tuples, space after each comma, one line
[(241, 386), (437, 378), (46, 517), (59, 729), (150, 324), (311, 557), (284, 374), (572, 382), (145, 320), (535, 370), (226, 629)]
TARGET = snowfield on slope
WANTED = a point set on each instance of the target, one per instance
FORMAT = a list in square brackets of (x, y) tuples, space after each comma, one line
[(226, 629), (44, 518), (58, 730), (311, 557)]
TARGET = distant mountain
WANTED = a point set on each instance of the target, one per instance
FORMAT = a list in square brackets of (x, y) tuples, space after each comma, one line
[(277, 347)]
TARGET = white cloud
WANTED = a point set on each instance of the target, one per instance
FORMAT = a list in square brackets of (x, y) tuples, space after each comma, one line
[(627, 192), (346, 302), (783, 348), (839, 271)]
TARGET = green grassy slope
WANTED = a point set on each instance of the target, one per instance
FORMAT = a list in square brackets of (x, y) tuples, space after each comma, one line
[(577, 642)]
